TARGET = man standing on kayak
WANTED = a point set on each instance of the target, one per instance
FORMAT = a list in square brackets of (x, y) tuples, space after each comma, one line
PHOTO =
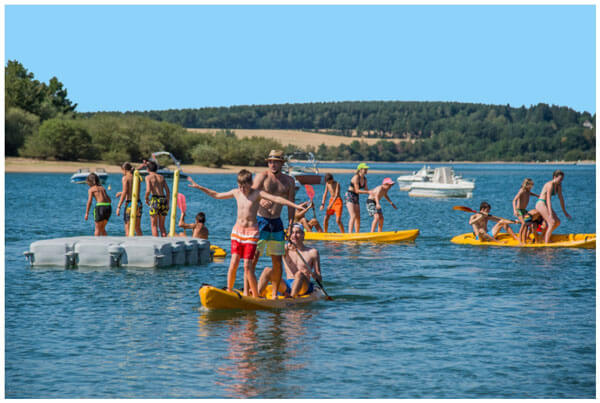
[(272, 235), (301, 263)]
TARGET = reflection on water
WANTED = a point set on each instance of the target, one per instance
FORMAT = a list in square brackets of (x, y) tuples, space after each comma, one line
[(262, 348)]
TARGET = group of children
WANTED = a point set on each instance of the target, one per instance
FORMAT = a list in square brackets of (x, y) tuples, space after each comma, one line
[(541, 219), (157, 198)]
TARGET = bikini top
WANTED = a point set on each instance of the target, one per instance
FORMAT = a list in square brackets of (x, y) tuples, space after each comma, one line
[(351, 187)]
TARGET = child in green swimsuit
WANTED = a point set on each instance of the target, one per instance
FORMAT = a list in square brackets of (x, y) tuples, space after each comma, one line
[(103, 209), (521, 200)]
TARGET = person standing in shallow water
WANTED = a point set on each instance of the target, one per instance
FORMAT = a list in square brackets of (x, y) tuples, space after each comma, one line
[(544, 203), (272, 235), (358, 184)]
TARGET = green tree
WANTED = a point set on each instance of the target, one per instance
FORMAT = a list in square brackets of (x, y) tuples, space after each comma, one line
[(19, 125), (60, 139)]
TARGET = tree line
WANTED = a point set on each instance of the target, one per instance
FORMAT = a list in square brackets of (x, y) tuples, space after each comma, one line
[(42, 122)]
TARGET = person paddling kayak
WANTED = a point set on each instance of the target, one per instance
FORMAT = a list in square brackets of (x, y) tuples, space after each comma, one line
[(300, 262)]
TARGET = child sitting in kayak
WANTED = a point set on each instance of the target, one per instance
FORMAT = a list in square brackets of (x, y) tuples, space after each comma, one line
[(300, 217), (103, 208), (374, 203), (295, 260), (245, 232), (479, 223), (199, 229), (521, 200), (533, 222), (335, 205)]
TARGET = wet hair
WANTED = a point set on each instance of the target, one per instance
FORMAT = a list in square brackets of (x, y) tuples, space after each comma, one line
[(558, 172), (127, 167), (527, 182), (328, 177), (484, 205), (244, 176), (200, 217), (152, 166), (93, 180)]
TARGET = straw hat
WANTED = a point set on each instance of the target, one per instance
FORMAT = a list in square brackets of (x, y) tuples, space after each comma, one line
[(276, 155)]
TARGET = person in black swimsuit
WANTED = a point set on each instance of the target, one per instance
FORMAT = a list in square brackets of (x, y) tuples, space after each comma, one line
[(358, 184)]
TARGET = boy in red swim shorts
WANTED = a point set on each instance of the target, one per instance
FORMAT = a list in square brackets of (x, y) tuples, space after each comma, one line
[(245, 232)]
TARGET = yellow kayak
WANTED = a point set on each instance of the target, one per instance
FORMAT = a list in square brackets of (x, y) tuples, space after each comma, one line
[(390, 236), (216, 298), (586, 241), (218, 251)]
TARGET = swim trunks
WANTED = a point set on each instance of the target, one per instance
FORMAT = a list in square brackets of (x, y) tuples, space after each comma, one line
[(336, 208), (290, 282), (243, 241), (127, 214), (102, 211), (372, 208), (159, 205), (522, 212), (485, 240), (351, 197), (271, 236)]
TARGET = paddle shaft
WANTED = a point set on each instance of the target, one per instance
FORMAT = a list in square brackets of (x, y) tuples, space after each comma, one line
[(470, 210), (307, 265)]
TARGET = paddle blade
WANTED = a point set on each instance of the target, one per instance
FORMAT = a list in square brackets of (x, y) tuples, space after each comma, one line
[(181, 202), (310, 191), (463, 208)]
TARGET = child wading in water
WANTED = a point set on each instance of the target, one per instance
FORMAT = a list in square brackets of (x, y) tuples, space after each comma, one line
[(125, 196), (103, 208), (159, 203), (199, 230), (521, 200), (479, 223), (335, 205), (245, 233), (374, 203)]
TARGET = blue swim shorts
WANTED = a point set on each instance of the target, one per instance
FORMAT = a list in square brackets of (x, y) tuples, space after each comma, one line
[(289, 282), (272, 236)]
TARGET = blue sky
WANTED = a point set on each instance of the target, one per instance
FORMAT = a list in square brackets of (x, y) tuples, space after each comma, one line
[(119, 58)]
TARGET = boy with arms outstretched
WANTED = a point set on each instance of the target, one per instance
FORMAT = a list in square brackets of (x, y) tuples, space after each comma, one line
[(245, 232)]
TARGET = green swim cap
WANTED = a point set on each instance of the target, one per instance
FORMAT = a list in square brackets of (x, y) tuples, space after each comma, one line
[(362, 165)]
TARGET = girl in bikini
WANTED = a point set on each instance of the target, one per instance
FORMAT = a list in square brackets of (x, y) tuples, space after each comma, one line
[(357, 184), (544, 203)]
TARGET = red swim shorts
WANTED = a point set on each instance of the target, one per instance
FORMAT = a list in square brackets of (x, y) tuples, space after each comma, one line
[(243, 241)]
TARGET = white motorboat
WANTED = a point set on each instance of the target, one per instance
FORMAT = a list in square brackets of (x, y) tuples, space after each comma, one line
[(164, 171), (307, 174), (422, 175), (444, 183), (82, 173)]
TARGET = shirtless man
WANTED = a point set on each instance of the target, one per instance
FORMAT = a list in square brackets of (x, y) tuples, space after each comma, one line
[(374, 203), (297, 272), (479, 223), (272, 236), (245, 232), (156, 186), (198, 228), (103, 208), (125, 196)]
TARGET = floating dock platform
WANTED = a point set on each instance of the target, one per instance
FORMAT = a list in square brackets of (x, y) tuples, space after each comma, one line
[(119, 251)]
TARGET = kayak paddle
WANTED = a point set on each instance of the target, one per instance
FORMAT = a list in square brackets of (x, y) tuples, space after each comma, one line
[(181, 202), (311, 194), (307, 265), (470, 210)]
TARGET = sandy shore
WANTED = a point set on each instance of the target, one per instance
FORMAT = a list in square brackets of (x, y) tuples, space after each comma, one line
[(24, 165)]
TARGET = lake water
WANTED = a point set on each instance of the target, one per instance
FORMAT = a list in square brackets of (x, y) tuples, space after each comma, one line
[(427, 319)]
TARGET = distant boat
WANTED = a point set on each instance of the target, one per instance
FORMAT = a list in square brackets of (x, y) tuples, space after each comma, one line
[(444, 183), (422, 175), (82, 173), (305, 175), (164, 171)]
